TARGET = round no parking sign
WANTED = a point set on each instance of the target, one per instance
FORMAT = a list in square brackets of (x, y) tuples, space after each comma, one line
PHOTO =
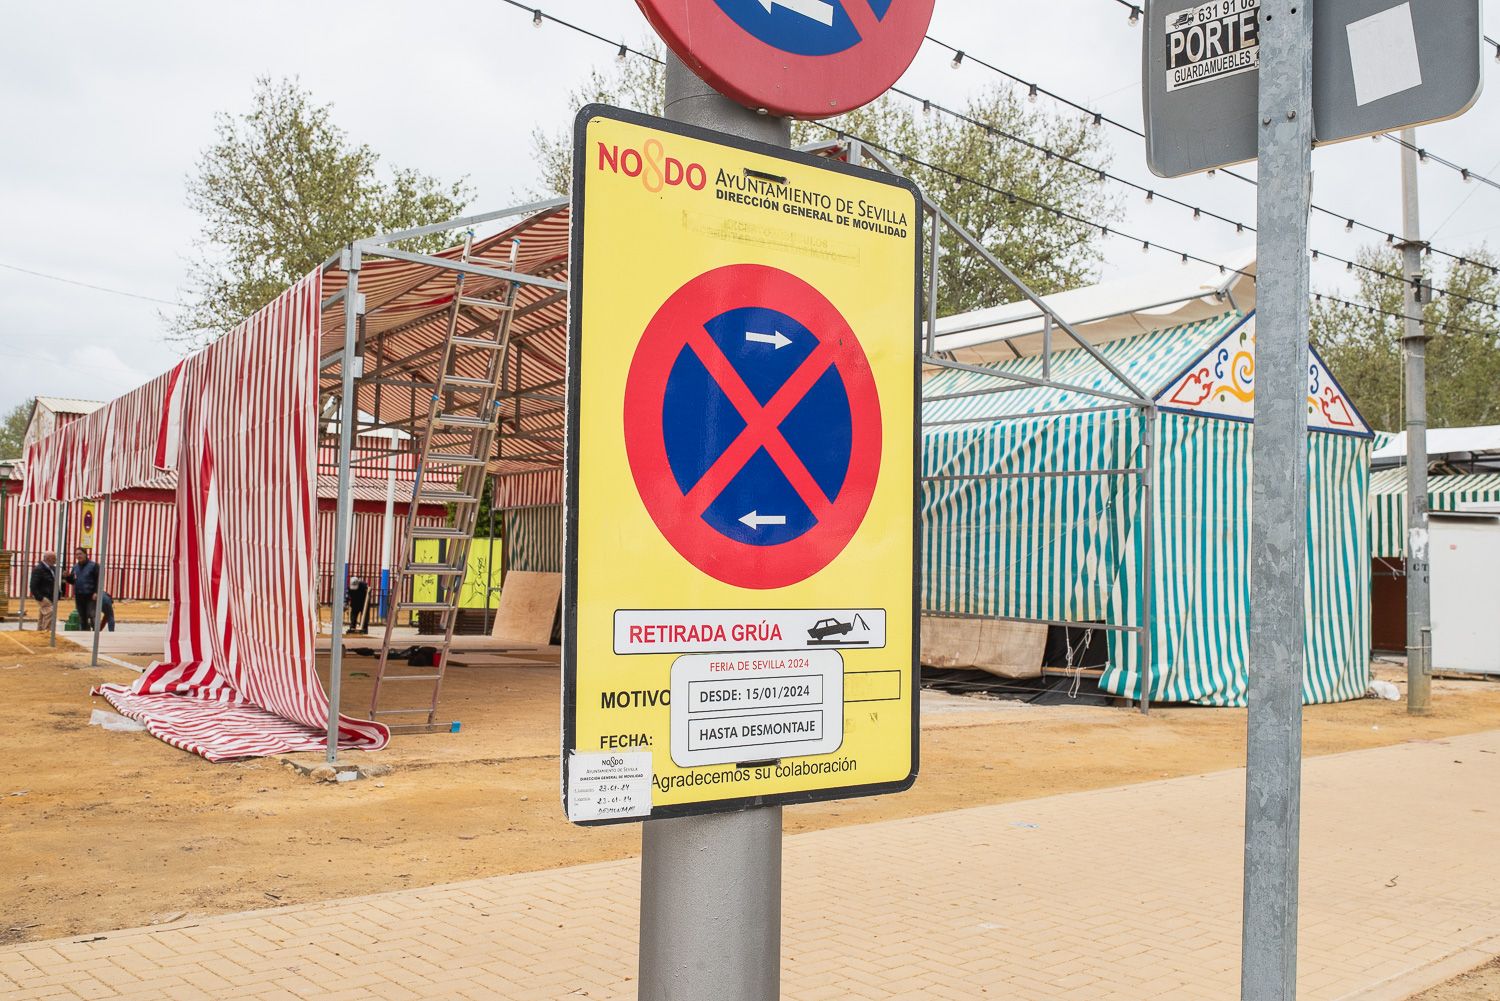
[(752, 426), (803, 58)]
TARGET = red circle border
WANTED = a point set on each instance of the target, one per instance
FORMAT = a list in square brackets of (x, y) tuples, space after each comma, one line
[(761, 76), (725, 559)]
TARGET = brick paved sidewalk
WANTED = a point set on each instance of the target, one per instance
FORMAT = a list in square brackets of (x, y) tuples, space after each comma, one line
[(1130, 893)]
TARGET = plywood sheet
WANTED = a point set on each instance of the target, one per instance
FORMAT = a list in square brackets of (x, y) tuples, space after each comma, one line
[(1004, 649), (528, 608)]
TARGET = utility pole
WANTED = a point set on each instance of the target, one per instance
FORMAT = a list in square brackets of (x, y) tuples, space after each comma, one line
[(1278, 504), (711, 885), (1414, 348)]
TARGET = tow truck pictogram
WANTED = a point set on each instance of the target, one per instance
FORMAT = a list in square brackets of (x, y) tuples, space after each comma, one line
[(823, 629)]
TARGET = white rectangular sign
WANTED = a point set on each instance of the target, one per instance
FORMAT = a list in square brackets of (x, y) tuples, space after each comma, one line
[(679, 630), (1212, 41), (609, 786), (1383, 54), (736, 708)]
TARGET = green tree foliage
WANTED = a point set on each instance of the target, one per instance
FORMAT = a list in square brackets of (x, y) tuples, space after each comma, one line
[(949, 155), (280, 189), (13, 429), (1048, 252), (1363, 349)]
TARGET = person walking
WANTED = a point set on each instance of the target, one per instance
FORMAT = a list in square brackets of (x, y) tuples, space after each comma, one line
[(43, 580), (85, 580)]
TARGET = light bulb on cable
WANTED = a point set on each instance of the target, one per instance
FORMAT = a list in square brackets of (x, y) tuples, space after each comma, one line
[(536, 18)]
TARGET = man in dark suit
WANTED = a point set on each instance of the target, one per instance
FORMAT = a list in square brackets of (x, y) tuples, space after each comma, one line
[(40, 586), (85, 580)]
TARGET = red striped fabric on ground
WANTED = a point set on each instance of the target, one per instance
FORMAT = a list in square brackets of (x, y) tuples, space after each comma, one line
[(238, 677)]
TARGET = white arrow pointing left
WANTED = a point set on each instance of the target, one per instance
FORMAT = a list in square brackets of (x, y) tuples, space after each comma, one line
[(818, 10), (778, 338), (755, 519)]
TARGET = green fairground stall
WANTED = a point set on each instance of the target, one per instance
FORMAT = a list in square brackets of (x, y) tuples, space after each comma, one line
[(1050, 509)]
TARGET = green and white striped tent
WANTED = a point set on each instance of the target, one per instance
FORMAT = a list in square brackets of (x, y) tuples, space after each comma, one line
[(1444, 493), (1003, 538)]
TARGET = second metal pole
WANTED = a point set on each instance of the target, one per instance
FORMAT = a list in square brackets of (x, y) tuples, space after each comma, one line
[(57, 568), (1414, 347), (1278, 505), (711, 886), (348, 413), (102, 559)]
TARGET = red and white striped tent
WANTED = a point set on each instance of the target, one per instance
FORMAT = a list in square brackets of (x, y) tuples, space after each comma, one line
[(234, 431), (142, 523)]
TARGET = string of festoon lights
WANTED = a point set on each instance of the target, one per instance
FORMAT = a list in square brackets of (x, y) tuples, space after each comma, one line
[(1152, 197), (623, 51)]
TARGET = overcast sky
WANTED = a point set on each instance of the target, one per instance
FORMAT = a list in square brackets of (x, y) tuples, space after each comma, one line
[(106, 107)]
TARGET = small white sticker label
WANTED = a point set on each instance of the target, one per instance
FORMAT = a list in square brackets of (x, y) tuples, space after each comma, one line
[(608, 786), (729, 708), (1383, 54)]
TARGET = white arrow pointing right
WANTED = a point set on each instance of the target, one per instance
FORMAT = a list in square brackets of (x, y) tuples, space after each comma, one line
[(755, 519), (778, 338), (817, 10)]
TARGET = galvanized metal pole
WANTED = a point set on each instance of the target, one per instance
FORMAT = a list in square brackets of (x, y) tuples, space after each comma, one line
[(1278, 505), (1145, 640), (934, 260), (26, 549), (353, 306), (711, 886), (1414, 346), (102, 560), (57, 568)]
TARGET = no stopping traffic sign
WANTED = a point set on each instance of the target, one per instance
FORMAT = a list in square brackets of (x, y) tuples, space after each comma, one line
[(803, 58), (752, 426)]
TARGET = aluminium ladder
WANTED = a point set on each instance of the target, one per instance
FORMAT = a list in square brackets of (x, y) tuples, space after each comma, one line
[(456, 445)]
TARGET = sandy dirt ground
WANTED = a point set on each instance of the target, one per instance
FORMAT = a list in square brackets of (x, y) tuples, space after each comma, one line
[(102, 830), (1482, 984)]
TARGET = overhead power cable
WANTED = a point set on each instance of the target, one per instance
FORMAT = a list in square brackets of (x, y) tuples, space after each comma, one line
[(82, 284), (1102, 228), (1033, 89)]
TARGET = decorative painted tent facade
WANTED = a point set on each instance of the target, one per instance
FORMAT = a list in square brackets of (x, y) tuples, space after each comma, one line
[(1033, 510)]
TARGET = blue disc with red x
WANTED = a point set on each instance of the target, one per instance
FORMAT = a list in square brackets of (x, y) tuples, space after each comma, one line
[(804, 58), (752, 426)]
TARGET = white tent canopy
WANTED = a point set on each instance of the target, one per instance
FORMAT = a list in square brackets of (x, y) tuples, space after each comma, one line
[(1101, 313), (1474, 443)]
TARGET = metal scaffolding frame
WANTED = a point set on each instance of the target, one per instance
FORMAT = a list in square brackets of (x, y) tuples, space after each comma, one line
[(1129, 397), (371, 368), (361, 362)]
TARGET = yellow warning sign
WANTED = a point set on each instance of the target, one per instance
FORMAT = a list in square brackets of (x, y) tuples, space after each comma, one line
[(88, 513), (740, 606)]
